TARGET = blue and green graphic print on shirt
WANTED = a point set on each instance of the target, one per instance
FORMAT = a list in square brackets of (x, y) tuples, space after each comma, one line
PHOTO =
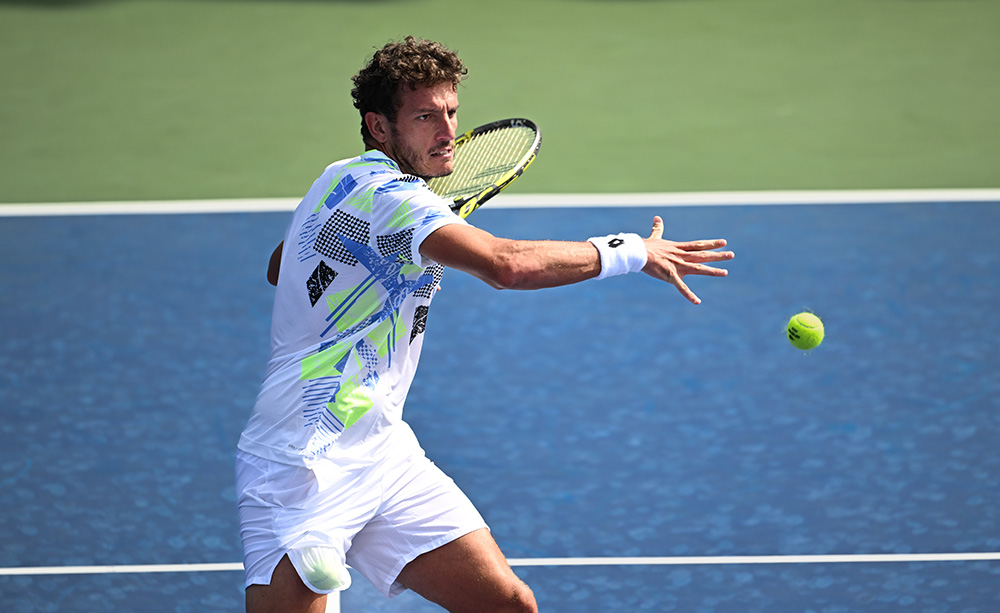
[(376, 296)]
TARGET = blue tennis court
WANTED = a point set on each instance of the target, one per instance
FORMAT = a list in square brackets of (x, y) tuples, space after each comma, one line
[(606, 420)]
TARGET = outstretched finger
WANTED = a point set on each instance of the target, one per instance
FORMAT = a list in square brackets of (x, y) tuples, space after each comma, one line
[(704, 245), (707, 256), (710, 271), (657, 227), (686, 291)]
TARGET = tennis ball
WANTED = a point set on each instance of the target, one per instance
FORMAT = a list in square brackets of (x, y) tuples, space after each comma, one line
[(805, 331), (327, 575), (320, 568)]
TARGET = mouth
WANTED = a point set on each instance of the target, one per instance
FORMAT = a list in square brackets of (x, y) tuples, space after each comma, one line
[(445, 153)]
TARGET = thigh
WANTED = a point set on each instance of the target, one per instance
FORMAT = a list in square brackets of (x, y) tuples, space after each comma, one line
[(422, 509), (285, 594), (468, 574)]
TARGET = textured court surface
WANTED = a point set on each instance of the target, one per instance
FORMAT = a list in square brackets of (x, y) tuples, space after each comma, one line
[(605, 419)]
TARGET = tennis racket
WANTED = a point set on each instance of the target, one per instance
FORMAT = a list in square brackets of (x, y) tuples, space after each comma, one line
[(487, 160)]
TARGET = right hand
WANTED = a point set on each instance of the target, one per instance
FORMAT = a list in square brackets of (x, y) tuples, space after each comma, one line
[(671, 261)]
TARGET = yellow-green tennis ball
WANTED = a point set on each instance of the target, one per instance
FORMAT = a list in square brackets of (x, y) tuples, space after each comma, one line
[(805, 331)]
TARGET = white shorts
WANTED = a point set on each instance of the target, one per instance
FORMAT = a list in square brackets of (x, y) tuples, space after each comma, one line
[(376, 518)]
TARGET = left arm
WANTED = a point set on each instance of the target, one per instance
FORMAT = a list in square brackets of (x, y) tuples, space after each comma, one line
[(274, 265)]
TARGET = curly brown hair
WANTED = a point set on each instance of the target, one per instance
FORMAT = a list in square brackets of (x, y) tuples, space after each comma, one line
[(410, 62)]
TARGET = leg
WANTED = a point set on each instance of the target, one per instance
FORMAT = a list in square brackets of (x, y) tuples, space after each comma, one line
[(469, 574), (286, 593)]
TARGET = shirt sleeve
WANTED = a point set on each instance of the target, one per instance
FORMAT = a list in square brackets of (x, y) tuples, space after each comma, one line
[(410, 212)]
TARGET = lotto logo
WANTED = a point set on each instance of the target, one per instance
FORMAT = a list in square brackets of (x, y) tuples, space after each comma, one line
[(615, 242)]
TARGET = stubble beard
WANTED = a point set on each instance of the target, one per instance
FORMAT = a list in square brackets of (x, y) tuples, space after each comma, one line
[(410, 160)]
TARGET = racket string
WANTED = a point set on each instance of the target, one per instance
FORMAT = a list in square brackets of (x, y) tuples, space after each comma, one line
[(483, 159)]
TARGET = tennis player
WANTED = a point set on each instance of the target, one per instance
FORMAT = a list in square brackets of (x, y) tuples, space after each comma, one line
[(328, 473)]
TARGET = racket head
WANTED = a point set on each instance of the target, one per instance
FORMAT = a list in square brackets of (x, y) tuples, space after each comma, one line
[(488, 159)]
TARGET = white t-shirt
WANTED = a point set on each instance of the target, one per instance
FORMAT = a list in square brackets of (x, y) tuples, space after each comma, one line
[(349, 316)]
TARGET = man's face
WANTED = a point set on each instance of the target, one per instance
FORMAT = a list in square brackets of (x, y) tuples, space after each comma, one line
[(422, 140)]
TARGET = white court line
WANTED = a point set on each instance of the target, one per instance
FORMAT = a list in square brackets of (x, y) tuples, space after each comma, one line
[(785, 559), (748, 198), (515, 201), (893, 558), (120, 569), (149, 207)]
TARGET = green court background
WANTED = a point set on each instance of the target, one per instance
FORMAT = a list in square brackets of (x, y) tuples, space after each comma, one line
[(126, 100)]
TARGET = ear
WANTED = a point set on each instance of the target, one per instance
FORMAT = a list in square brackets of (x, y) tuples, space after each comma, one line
[(378, 126)]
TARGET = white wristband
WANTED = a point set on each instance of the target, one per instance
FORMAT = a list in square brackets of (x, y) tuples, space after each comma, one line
[(620, 254)]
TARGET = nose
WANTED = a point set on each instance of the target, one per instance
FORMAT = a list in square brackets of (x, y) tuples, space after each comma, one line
[(449, 128)]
